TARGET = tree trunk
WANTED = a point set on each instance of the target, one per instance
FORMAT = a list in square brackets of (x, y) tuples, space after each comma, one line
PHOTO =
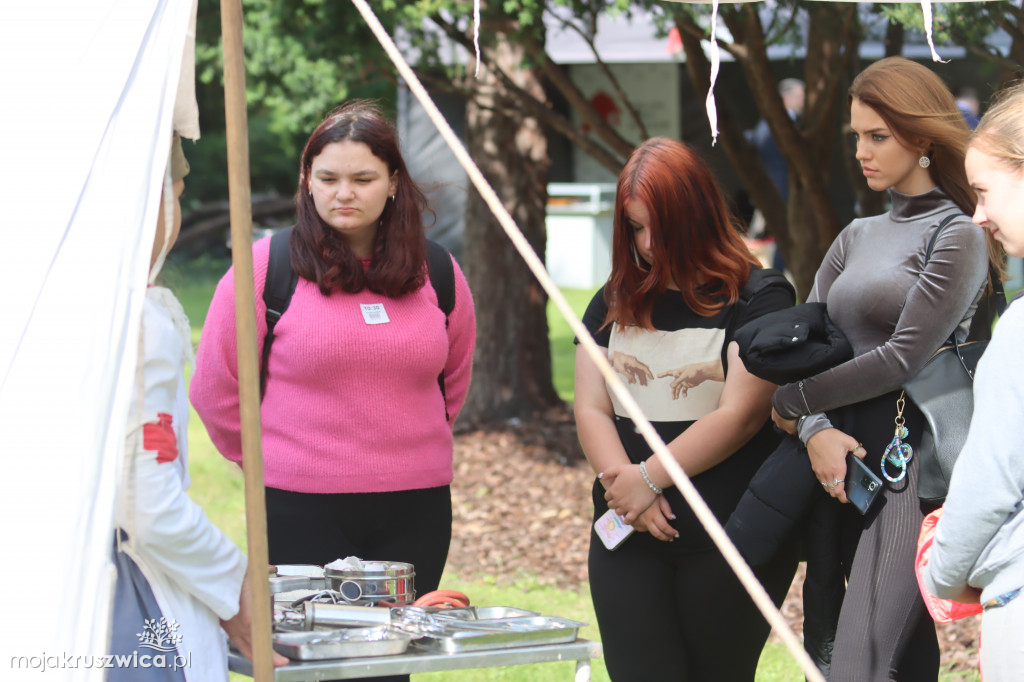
[(805, 226), (512, 364)]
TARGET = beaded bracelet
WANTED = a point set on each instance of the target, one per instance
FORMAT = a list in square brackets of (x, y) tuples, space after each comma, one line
[(647, 479)]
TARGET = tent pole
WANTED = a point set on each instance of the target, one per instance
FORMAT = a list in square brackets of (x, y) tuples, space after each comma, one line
[(245, 316)]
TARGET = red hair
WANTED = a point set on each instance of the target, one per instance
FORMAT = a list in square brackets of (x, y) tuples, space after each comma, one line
[(694, 241), (321, 255)]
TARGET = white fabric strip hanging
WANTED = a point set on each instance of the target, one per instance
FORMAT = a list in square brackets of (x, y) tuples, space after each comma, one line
[(926, 10), (716, 60), (476, 36)]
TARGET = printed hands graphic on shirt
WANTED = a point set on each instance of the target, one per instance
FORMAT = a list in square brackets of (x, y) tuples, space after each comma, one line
[(695, 374), (683, 379), (631, 368)]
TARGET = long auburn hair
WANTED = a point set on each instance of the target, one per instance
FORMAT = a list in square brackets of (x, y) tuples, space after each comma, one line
[(694, 241), (320, 254), (922, 113)]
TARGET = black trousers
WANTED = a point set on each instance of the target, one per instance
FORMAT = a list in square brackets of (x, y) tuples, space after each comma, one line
[(413, 526), (685, 617)]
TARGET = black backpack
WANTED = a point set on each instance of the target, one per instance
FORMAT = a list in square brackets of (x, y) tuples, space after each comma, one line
[(281, 281)]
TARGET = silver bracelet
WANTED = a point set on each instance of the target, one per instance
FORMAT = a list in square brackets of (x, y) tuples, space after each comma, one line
[(647, 479)]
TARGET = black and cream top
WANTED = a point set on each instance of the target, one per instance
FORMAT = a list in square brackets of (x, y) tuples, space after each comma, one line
[(682, 337)]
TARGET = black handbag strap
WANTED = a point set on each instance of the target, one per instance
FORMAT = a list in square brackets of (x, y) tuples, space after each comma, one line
[(990, 306)]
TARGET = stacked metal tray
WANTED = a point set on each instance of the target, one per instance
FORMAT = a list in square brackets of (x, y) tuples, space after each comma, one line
[(499, 633), (341, 643), (428, 630)]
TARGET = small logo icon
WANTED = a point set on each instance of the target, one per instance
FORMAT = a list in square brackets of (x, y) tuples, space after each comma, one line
[(159, 635)]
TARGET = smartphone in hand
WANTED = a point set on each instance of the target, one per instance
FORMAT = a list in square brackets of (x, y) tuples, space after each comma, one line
[(862, 485), (612, 529)]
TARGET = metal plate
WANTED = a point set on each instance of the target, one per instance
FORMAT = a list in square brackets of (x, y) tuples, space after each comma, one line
[(341, 643), (307, 570), (500, 633), (492, 612)]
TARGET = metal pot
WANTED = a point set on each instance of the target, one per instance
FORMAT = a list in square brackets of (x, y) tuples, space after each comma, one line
[(378, 581)]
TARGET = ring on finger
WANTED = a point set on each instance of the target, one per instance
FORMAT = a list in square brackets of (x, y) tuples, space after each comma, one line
[(837, 481), (824, 485), (831, 487)]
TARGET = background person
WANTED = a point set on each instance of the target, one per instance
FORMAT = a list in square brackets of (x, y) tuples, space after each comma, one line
[(978, 552), (896, 311), (174, 567), (357, 435), (667, 604), (792, 92), (969, 105)]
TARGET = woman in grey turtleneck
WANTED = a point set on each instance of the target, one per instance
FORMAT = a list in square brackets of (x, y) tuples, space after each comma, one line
[(896, 310)]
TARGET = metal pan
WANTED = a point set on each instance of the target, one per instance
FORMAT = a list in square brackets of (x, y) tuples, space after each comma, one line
[(499, 633), (342, 643), (485, 612)]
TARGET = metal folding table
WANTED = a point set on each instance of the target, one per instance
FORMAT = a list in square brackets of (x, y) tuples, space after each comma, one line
[(417, 661)]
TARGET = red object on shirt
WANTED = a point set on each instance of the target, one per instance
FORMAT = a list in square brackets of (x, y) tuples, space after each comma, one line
[(159, 437)]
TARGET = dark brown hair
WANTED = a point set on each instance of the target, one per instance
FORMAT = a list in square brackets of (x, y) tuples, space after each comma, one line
[(320, 254), (694, 242), (922, 113)]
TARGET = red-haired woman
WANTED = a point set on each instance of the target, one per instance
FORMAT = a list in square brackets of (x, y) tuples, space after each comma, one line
[(357, 434), (682, 281)]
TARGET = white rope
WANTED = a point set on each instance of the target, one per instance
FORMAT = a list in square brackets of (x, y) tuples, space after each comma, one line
[(679, 478)]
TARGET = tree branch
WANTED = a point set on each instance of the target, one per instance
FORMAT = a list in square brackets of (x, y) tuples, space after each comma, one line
[(619, 92), (684, 22), (541, 110)]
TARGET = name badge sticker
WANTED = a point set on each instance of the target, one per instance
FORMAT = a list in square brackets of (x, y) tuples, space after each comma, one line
[(374, 313)]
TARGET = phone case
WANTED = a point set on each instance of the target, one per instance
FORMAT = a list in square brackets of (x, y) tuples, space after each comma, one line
[(612, 529), (862, 485)]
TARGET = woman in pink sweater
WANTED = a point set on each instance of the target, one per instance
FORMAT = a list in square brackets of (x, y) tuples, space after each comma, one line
[(357, 435)]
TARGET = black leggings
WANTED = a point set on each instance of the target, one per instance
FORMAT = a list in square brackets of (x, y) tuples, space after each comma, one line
[(686, 617), (413, 526), (885, 632)]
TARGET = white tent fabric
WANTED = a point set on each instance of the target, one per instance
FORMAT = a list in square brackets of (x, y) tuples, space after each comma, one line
[(89, 89)]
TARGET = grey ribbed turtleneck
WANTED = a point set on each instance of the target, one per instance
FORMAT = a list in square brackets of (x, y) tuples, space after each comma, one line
[(895, 310)]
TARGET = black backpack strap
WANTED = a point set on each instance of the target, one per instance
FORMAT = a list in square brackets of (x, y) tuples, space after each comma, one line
[(442, 278), (989, 307), (277, 291)]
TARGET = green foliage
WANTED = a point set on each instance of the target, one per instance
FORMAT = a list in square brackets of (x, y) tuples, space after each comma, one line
[(955, 22), (972, 25), (563, 350), (303, 58)]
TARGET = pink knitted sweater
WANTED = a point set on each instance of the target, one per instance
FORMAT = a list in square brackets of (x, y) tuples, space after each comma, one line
[(349, 406)]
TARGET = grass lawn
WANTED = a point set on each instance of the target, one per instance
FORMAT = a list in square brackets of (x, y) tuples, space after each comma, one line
[(217, 486)]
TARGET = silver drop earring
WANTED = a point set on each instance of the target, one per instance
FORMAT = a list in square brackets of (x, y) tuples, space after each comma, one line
[(924, 161)]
